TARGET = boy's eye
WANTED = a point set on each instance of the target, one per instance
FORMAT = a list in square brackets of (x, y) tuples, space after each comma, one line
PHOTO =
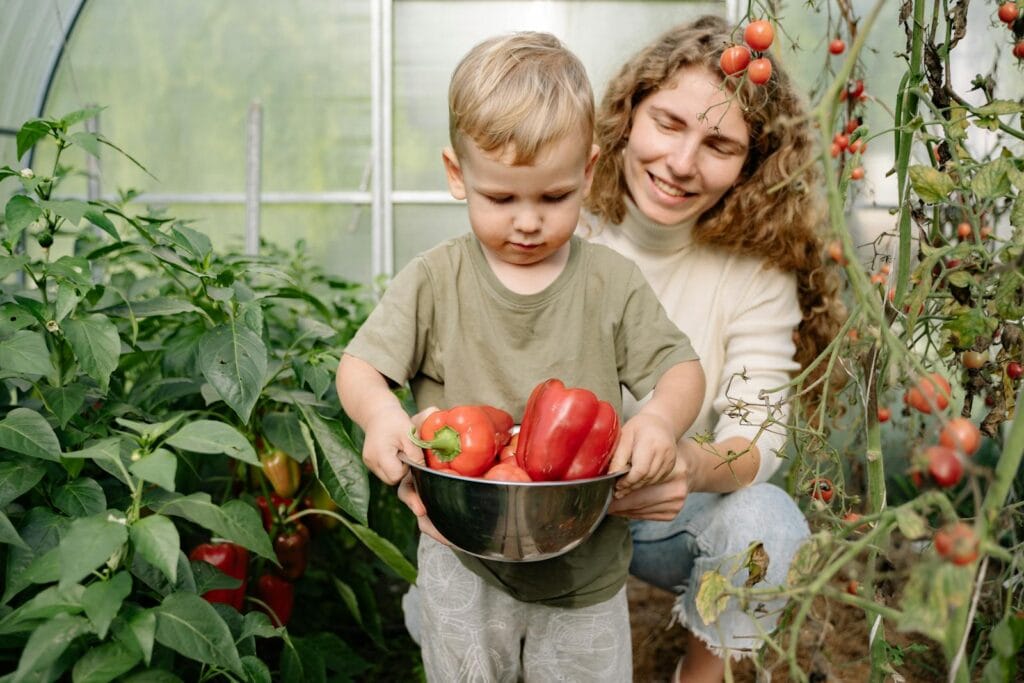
[(498, 199), (555, 198)]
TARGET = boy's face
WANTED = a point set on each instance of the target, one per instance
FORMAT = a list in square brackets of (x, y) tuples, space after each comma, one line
[(523, 215)]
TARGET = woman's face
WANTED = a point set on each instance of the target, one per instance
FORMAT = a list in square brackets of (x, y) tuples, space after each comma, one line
[(686, 147)]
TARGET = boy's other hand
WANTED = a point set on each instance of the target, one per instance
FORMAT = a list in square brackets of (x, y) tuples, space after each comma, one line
[(387, 435), (407, 494), (648, 447)]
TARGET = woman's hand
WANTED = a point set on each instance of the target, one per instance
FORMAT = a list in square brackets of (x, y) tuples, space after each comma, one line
[(659, 502)]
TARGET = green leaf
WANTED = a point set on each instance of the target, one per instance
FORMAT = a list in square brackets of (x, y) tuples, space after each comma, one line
[(712, 596), (991, 181), (285, 432), (156, 539), (159, 467), (911, 524), (152, 676), (42, 531), (302, 662), (136, 630), (87, 141), (103, 663), (150, 431), (48, 642), (808, 559), (255, 670), (931, 185), (155, 578), (8, 534), (384, 549), (74, 269), (20, 212), (1002, 640), (25, 431), (89, 544), (64, 402), (189, 625), (79, 115), (30, 133), (102, 600), (1000, 108), (25, 352), (17, 477), (342, 471), (233, 360), (96, 344), (100, 220), (209, 436), (197, 243), (967, 325), (932, 595), (1017, 212), (71, 210), (111, 454), (12, 316), (157, 306), (236, 521), (348, 597), (46, 604), (80, 498), (258, 624)]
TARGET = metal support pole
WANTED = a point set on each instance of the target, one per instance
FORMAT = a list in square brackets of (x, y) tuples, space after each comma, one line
[(93, 189), (382, 237), (253, 161)]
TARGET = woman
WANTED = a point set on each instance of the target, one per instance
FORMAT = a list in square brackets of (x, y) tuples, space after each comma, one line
[(709, 184)]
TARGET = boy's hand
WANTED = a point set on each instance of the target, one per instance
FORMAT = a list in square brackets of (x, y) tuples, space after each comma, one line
[(407, 494), (648, 446), (387, 435)]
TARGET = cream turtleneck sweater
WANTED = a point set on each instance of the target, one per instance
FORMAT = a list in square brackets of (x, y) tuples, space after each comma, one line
[(740, 315)]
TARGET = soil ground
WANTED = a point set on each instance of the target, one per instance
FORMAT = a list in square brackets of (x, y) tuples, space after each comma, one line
[(833, 648)]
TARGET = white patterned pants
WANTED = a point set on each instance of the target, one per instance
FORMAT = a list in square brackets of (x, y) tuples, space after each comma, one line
[(470, 631)]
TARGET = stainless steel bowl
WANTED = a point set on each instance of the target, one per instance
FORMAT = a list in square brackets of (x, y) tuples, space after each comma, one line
[(513, 521)]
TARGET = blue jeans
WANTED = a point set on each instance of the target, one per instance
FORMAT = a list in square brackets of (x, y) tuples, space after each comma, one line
[(711, 532)]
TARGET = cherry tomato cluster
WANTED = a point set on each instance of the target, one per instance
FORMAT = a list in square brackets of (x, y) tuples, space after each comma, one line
[(957, 543), (1008, 13), (758, 36)]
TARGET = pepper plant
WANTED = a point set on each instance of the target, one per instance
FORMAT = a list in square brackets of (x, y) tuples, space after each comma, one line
[(144, 375), (921, 530)]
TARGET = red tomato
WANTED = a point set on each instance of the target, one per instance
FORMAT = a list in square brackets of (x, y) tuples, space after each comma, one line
[(857, 173), (960, 433), (842, 140), (931, 391), (1014, 370), (852, 125), (836, 150), (957, 543), (507, 470), (835, 252), (759, 35), (963, 231), (837, 46), (1018, 50), (759, 71), (884, 414), (734, 59), (972, 360), (944, 466), (821, 489), (1008, 12), (856, 147), (852, 587)]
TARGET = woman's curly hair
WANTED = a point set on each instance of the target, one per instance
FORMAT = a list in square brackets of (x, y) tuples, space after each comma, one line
[(775, 208)]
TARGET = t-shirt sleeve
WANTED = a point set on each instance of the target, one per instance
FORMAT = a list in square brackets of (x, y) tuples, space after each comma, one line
[(647, 342), (394, 338), (759, 357)]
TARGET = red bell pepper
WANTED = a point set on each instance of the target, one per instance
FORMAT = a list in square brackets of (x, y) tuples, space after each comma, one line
[(231, 559), (566, 433), (268, 513), (292, 548), (279, 594), (282, 471), (465, 439)]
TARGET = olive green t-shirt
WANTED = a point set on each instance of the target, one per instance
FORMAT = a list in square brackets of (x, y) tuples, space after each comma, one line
[(449, 327)]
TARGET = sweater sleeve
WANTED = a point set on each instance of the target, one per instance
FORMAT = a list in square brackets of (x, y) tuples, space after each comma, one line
[(759, 352)]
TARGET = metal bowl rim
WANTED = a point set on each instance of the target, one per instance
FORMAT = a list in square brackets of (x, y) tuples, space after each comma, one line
[(525, 484)]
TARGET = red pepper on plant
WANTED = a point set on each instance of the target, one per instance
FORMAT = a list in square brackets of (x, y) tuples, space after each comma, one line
[(282, 471), (465, 439), (567, 433), (320, 499), (279, 595), (268, 513), (233, 560), (292, 548)]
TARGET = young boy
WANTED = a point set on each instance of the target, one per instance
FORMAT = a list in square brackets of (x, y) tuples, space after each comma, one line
[(484, 318)]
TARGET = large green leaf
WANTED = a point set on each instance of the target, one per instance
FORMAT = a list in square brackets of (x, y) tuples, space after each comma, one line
[(25, 351), (233, 359), (236, 521), (189, 625), (385, 550), (64, 402), (136, 630), (30, 133), (159, 467), (71, 210), (45, 604), (286, 432), (89, 543), (96, 345), (342, 470), (210, 436), (102, 600), (992, 180), (27, 432), (157, 306), (104, 663), (12, 316), (17, 477), (42, 531), (156, 539), (931, 185), (48, 642), (8, 534), (157, 580), (80, 498), (302, 662), (20, 212), (113, 455)]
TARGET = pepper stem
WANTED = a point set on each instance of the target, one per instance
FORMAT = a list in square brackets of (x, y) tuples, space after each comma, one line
[(445, 444)]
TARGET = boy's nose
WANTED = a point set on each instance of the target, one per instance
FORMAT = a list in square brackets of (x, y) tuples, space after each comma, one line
[(527, 220)]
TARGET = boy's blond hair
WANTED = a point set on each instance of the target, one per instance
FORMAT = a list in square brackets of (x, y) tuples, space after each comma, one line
[(517, 93)]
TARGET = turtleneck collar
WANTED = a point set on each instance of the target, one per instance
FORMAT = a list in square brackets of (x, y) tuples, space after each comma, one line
[(655, 237)]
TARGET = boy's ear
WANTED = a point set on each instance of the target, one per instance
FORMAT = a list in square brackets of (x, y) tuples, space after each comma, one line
[(595, 152), (452, 169)]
